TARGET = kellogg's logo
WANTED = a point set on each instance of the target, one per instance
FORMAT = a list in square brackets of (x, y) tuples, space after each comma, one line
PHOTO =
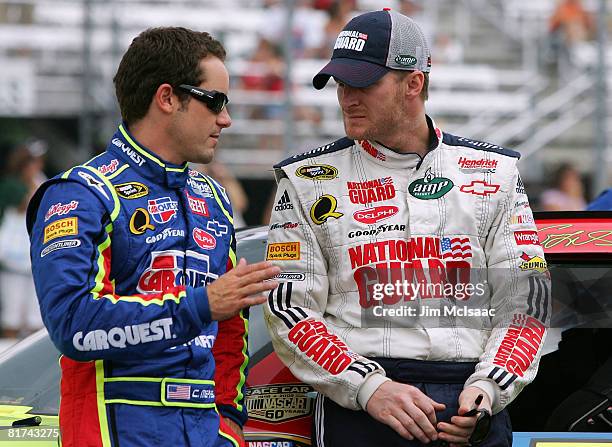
[(109, 168), (376, 214), (163, 209), (204, 239), (61, 209)]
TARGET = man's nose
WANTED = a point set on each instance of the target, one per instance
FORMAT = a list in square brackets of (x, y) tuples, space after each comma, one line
[(224, 119), (349, 96)]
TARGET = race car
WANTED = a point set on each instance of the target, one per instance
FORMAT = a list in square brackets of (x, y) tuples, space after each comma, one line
[(569, 403)]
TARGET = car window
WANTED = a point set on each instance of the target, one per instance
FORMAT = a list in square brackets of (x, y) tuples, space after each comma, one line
[(252, 246), (30, 374)]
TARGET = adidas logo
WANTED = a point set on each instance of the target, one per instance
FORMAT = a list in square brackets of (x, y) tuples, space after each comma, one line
[(284, 203)]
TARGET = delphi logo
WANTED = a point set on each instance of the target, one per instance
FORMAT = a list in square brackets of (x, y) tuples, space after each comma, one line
[(351, 40)]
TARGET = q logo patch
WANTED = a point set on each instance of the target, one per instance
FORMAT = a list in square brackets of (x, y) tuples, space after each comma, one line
[(324, 208), (140, 221)]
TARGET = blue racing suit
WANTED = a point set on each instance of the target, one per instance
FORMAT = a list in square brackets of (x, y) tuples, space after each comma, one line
[(122, 248)]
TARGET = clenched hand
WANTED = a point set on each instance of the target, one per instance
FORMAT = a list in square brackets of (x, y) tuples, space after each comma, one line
[(239, 288)]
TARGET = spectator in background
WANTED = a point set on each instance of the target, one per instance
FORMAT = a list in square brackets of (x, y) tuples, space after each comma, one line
[(307, 27), (569, 25), (20, 312), (265, 73), (567, 192), (414, 10), (338, 14), (235, 191), (23, 172), (447, 50)]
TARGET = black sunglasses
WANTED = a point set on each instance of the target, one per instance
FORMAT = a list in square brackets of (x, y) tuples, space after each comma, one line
[(214, 100)]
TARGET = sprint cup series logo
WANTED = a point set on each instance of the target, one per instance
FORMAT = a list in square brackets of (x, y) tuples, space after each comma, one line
[(317, 172), (279, 403), (430, 186)]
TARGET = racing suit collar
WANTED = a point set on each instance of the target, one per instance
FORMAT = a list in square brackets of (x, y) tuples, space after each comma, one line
[(385, 156), (125, 146)]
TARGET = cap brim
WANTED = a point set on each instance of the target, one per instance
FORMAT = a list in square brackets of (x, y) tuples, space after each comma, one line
[(352, 72)]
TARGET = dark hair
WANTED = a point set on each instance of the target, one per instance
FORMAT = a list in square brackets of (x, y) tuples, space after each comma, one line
[(560, 173), (157, 56)]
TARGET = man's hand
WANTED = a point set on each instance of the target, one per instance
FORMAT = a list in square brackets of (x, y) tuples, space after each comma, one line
[(239, 288), (458, 432), (406, 409)]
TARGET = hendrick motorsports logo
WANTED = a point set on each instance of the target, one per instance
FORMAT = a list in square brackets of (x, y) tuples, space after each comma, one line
[(279, 403), (430, 186)]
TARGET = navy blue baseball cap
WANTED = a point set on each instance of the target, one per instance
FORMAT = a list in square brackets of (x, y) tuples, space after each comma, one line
[(371, 45)]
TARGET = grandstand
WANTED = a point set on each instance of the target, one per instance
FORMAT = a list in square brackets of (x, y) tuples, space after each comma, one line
[(58, 58)]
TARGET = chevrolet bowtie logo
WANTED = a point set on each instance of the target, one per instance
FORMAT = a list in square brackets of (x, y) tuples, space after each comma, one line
[(218, 228), (479, 188)]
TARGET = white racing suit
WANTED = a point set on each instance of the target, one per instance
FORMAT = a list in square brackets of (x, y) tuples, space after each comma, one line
[(352, 214)]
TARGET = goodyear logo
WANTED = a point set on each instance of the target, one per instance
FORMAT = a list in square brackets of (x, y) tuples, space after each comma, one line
[(278, 403), (60, 228), (317, 172), (283, 251)]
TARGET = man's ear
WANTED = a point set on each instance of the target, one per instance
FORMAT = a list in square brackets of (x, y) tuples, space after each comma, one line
[(415, 82), (164, 99)]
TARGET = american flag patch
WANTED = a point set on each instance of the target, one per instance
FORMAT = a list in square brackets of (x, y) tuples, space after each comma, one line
[(456, 247), (386, 181), (178, 391)]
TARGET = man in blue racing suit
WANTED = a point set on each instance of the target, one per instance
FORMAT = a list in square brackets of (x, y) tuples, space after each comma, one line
[(134, 261)]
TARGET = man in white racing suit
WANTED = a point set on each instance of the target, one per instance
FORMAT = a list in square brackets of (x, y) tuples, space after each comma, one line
[(363, 226)]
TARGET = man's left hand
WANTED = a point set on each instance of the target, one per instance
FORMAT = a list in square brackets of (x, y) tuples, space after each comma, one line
[(458, 432), (237, 429)]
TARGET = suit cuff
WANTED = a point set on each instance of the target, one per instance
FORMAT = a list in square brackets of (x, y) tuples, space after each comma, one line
[(198, 297), (491, 389), (368, 387), (229, 412)]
